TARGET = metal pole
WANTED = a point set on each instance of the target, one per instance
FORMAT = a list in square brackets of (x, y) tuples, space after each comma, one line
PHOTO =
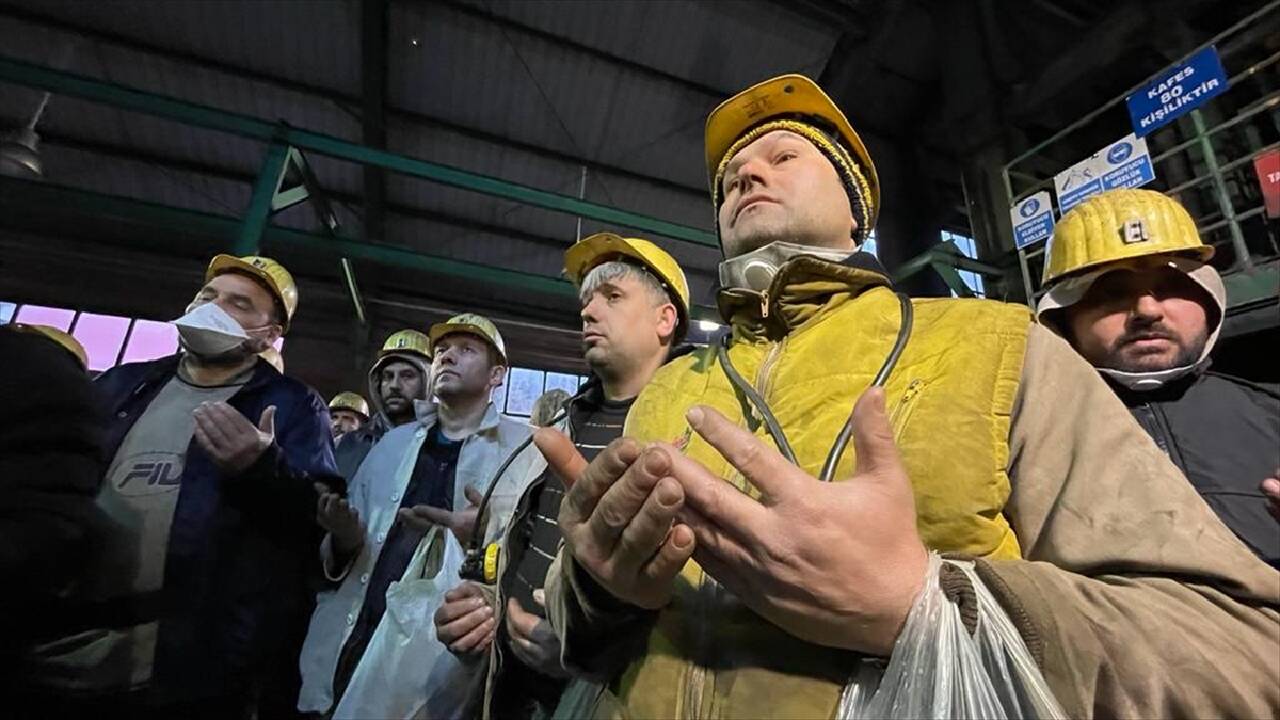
[(582, 195), (1026, 278), (349, 276), (264, 188), (1220, 190)]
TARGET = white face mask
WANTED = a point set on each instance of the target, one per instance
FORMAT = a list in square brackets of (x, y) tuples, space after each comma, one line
[(208, 331), (755, 270)]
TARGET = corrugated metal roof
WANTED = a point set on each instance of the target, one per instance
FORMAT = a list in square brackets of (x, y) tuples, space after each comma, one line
[(466, 85)]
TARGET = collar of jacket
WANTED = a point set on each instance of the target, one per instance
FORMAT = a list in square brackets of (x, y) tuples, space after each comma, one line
[(165, 368), (427, 412), (803, 286), (593, 389)]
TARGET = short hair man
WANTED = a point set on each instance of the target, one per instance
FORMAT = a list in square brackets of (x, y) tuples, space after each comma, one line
[(1128, 285), (635, 309), (999, 443), (216, 456), (426, 472)]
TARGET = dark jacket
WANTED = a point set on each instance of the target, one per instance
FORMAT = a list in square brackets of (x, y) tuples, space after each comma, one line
[(237, 584), (51, 463), (352, 447), (1224, 434)]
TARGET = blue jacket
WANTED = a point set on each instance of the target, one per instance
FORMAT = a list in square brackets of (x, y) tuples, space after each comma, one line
[(237, 584)]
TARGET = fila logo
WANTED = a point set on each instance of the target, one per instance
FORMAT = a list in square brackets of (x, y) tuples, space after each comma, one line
[(153, 473), (1134, 231)]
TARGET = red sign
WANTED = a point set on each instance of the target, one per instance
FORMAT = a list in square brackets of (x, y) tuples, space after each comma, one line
[(1268, 166)]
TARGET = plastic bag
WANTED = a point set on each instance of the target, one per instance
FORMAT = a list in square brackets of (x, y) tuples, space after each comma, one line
[(406, 671), (939, 671)]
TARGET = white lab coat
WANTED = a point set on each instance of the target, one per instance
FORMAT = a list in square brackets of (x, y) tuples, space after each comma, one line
[(376, 492)]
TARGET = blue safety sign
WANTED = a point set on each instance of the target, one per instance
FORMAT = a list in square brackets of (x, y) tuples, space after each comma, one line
[(1125, 163), (1032, 219), (1177, 91)]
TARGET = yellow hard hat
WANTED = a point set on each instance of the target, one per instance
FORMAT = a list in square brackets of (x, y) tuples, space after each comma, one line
[(471, 324), (406, 341), (1118, 225), (780, 98), (278, 280), (68, 343), (274, 357), (591, 251), (347, 400)]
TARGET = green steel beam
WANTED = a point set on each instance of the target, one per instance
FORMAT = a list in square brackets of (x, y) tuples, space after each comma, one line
[(256, 219), (952, 278), (21, 196), (944, 254), (126, 98)]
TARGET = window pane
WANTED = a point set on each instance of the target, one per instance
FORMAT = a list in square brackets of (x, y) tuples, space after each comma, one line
[(526, 387), (151, 340), (101, 336), (6, 312), (39, 315), (967, 246), (568, 383)]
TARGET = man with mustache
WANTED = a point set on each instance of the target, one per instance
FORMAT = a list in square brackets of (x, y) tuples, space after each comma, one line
[(1130, 288), (634, 310), (428, 471), (192, 602), (347, 413), (401, 375), (801, 496)]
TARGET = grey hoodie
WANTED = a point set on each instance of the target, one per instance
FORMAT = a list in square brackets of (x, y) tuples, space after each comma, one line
[(354, 446)]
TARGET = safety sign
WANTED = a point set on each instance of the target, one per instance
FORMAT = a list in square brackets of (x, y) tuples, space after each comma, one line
[(1125, 163), (1177, 91), (1032, 219)]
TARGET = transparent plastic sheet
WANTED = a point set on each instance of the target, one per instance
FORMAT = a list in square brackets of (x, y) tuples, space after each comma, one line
[(939, 671)]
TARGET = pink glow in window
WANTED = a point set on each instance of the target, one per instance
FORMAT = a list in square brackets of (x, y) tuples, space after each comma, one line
[(39, 315), (101, 336), (150, 340)]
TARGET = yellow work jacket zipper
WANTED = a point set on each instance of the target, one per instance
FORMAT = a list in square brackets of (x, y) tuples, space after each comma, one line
[(708, 588)]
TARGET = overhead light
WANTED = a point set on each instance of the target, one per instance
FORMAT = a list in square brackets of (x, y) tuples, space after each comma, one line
[(20, 154), (708, 326)]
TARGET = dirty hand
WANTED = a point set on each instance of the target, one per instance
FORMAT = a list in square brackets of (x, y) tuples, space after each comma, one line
[(836, 564), (462, 522), (618, 516), (465, 623), (335, 515), (533, 640), (230, 439)]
